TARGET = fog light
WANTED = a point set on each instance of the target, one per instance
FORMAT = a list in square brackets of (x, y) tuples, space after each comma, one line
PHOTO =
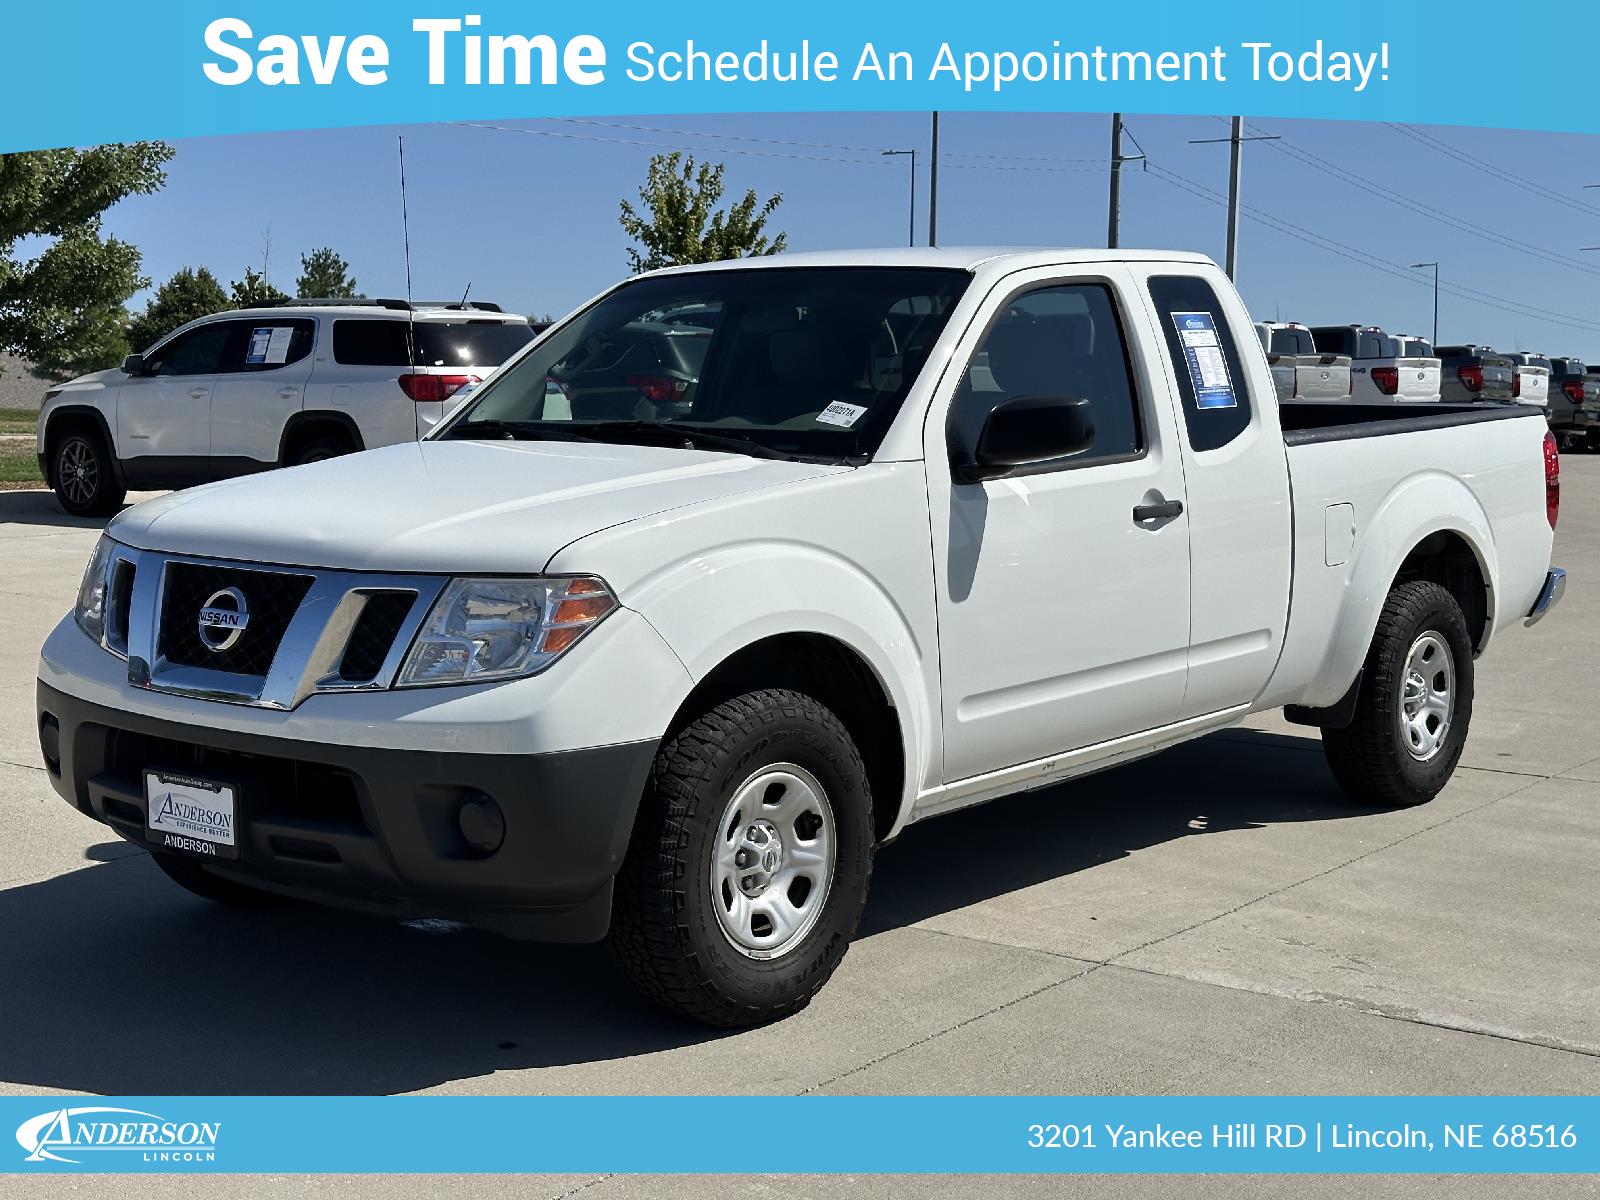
[(50, 742), (482, 824)]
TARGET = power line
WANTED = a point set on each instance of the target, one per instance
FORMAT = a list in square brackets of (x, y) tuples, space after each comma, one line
[(1484, 165), (729, 137), (582, 137), (1516, 308), (1504, 240)]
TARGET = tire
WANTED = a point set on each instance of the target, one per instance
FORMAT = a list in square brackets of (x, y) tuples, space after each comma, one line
[(192, 877), (318, 450), (679, 930), (1404, 743), (83, 475)]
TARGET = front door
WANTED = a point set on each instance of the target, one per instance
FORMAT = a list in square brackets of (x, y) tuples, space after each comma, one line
[(164, 414), (1063, 611)]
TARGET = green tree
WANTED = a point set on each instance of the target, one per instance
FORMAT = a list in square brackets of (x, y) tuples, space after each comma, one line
[(189, 294), (684, 225), (254, 289), (62, 309), (325, 276)]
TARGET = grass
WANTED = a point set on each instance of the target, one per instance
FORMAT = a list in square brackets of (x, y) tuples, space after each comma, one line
[(18, 465), (18, 420)]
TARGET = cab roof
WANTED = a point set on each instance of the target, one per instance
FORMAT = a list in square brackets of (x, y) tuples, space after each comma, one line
[(960, 258)]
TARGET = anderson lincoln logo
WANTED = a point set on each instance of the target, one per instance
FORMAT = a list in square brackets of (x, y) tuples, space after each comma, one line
[(69, 1135), (224, 619)]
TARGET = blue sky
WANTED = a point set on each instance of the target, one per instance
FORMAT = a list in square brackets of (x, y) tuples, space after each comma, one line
[(530, 218)]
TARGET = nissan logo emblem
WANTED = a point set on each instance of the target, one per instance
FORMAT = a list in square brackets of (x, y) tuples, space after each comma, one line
[(224, 619)]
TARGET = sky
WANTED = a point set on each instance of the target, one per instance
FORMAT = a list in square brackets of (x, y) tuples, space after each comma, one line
[(525, 212)]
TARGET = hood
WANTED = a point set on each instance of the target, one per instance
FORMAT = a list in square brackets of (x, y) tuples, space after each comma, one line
[(445, 507), (93, 379)]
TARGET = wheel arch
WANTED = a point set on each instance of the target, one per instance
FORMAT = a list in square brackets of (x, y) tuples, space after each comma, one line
[(311, 423), (62, 420)]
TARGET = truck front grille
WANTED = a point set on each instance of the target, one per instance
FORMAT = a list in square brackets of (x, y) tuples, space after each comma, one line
[(271, 597)]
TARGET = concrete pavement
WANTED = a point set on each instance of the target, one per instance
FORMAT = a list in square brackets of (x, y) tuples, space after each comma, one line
[(1215, 920)]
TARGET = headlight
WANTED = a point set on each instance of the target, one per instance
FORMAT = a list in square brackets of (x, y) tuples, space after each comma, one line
[(90, 612), (481, 630)]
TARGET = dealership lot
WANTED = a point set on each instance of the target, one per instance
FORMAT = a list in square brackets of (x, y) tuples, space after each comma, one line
[(1218, 919)]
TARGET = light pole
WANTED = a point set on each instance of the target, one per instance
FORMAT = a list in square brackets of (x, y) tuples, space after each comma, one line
[(911, 226), (1435, 266)]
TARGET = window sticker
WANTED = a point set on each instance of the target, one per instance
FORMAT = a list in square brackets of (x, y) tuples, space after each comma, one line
[(1208, 369), (841, 414), (260, 339), (278, 343)]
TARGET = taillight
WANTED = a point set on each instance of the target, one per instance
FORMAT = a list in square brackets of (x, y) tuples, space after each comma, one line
[(659, 389), (1552, 479), (1574, 390), (1387, 379), (1472, 377), (1516, 383), (422, 388)]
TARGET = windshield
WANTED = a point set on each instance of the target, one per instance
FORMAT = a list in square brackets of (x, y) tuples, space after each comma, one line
[(808, 362)]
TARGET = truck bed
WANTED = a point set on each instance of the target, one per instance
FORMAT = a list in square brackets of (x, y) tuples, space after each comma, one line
[(1307, 421)]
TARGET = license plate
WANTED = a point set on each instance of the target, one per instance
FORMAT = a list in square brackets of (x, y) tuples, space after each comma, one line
[(193, 815)]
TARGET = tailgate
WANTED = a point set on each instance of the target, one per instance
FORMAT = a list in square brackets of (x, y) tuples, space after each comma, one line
[(1419, 379), (1322, 376), (1499, 379), (1535, 386)]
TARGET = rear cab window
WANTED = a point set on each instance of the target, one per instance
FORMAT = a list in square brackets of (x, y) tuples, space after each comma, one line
[(1205, 359)]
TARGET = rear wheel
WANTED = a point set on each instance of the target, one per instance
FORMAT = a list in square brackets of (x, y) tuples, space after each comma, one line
[(317, 450), (1415, 702), (748, 869), (83, 475)]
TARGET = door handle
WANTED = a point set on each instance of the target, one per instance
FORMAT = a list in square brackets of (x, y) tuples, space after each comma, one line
[(288, 393), (199, 393), (1158, 512)]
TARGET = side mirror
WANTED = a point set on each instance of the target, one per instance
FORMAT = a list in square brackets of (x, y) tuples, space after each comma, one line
[(1027, 430), (133, 365)]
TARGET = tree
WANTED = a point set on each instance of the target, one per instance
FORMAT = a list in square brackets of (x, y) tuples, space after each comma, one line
[(62, 309), (189, 294), (680, 196), (325, 276), (254, 290)]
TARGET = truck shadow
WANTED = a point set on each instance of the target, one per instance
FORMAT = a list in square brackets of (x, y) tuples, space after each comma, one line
[(117, 982), (41, 508)]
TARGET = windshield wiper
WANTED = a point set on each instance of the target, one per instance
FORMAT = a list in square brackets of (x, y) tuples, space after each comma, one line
[(689, 436)]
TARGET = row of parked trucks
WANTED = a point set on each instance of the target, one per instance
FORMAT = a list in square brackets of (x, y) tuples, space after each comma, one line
[(1365, 364)]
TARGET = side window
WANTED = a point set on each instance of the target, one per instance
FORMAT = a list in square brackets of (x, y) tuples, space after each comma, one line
[(198, 352), (267, 345), (1205, 359), (370, 343), (1054, 341)]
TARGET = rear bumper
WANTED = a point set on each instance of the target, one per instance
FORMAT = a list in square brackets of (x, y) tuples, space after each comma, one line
[(374, 829), (1555, 586)]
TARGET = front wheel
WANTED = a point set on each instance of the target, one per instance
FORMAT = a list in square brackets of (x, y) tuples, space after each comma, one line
[(1415, 702), (83, 476), (748, 869)]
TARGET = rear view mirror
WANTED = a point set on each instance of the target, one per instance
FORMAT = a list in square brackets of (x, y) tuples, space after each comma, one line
[(133, 365), (1026, 430)]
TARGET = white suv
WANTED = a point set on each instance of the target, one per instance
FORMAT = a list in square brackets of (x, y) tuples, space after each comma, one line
[(252, 389)]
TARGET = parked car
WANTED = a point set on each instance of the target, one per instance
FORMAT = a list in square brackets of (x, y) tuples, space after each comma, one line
[(1532, 385), (673, 681), (1473, 373), (1381, 369), (1574, 409), (251, 389), (1299, 370)]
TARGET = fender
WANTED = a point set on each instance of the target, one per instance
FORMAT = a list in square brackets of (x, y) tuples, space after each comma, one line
[(99, 418), (318, 415), (1421, 505), (762, 589)]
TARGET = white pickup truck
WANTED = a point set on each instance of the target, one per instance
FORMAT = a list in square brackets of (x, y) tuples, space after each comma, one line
[(904, 532)]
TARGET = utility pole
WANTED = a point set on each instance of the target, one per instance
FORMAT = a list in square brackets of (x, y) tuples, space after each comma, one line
[(1114, 195), (1435, 266), (933, 187), (1235, 139), (911, 227)]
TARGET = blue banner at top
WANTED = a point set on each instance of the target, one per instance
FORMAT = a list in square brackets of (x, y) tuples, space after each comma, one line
[(91, 71)]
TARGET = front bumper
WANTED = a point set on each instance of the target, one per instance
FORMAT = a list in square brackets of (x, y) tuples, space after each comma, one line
[(1555, 586), (374, 829)]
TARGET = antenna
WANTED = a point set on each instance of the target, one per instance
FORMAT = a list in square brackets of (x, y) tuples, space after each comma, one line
[(466, 293), (405, 229)]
